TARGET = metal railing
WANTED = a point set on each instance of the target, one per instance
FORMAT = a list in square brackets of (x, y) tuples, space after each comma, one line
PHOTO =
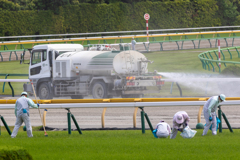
[(12, 80), (208, 62), (119, 39), (182, 36), (122, 103), (120, 32)]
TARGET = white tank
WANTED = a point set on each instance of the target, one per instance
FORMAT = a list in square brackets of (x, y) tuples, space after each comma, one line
[(105, 62), (130, 62)]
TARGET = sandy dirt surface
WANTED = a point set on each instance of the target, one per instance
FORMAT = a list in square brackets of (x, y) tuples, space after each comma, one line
[(119, 117), (6, 55)]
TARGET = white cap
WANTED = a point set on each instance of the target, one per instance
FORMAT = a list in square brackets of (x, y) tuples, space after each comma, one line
[(24, 93), (222, 97)]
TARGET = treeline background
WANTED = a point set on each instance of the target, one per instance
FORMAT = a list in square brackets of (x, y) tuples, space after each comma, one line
[(37, 17)]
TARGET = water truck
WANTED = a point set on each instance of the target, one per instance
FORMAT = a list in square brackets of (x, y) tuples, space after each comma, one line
[(62, 70)]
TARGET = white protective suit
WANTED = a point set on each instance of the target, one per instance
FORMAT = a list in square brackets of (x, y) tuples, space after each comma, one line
[(163, 129), (209, 109), (176, 125), (133, 44), (23, 103)]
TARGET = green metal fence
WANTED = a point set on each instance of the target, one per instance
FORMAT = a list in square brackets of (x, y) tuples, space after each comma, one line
[(210, 59), (9, 83), (181, 39)]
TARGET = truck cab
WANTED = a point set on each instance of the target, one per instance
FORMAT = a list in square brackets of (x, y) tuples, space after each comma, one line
[(41, 66)]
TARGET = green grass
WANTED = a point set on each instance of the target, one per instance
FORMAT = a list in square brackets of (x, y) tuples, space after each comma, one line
[(125, 145), (13, 67), (176, 61)]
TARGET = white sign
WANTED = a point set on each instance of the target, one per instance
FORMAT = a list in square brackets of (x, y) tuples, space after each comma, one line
[(146, 16)]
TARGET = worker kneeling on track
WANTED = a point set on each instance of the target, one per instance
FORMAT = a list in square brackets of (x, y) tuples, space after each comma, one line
[(180, 118), (209, 111), (162, 130), (22, 113)]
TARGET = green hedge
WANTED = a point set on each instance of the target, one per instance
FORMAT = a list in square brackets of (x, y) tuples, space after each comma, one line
[(14, 153), (110, 17)]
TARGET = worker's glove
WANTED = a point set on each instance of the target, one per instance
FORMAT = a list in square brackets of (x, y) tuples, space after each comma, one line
[(38, 105), (180, 130), (154, 133), (210, 118)]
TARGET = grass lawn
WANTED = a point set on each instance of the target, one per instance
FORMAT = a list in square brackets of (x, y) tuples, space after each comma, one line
[(124, 144), (176, 61), (12, 67)]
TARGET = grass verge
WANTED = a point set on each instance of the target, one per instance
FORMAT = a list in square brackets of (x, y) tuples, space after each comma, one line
[(125, 145)]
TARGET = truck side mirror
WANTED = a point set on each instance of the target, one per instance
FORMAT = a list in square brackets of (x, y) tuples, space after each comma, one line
[(22, 58), (50, 58)]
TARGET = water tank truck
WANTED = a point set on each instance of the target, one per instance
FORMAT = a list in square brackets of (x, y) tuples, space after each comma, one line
[(61, 70)]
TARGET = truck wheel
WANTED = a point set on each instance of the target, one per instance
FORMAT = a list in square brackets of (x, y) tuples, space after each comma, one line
[(44, 91), (99, 90), (76, 97)]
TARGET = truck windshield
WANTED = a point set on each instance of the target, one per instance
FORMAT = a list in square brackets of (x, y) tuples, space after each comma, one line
[(37, 56)]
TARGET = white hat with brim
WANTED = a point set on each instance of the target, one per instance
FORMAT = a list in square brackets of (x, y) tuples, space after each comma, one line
[(24, 93), (222, 97), (179, 119)]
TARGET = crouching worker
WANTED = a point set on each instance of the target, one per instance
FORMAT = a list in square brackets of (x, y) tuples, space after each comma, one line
[(180, 118), (162, 130), (22, 114), (209, 111)]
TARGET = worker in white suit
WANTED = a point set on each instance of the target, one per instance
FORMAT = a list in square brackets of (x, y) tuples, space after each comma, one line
[(163, 130), (22, 114), (133, 44), (180, 118), (209, 111)]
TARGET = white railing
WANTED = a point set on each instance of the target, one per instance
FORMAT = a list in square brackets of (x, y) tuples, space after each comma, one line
[(122, 105), (120, 32), (135, 105)]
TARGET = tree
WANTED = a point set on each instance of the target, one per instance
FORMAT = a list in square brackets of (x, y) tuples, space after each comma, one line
[(8, 5), (92, 1), (228, 12)]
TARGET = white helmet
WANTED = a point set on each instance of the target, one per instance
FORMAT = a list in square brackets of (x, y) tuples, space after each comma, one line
[(24, 93), (222, 97)]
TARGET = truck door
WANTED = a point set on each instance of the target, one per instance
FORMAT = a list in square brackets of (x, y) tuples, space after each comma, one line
[(39, 66)]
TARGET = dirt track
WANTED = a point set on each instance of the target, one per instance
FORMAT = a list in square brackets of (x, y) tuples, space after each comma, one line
[(153, 47), (119, 117)]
